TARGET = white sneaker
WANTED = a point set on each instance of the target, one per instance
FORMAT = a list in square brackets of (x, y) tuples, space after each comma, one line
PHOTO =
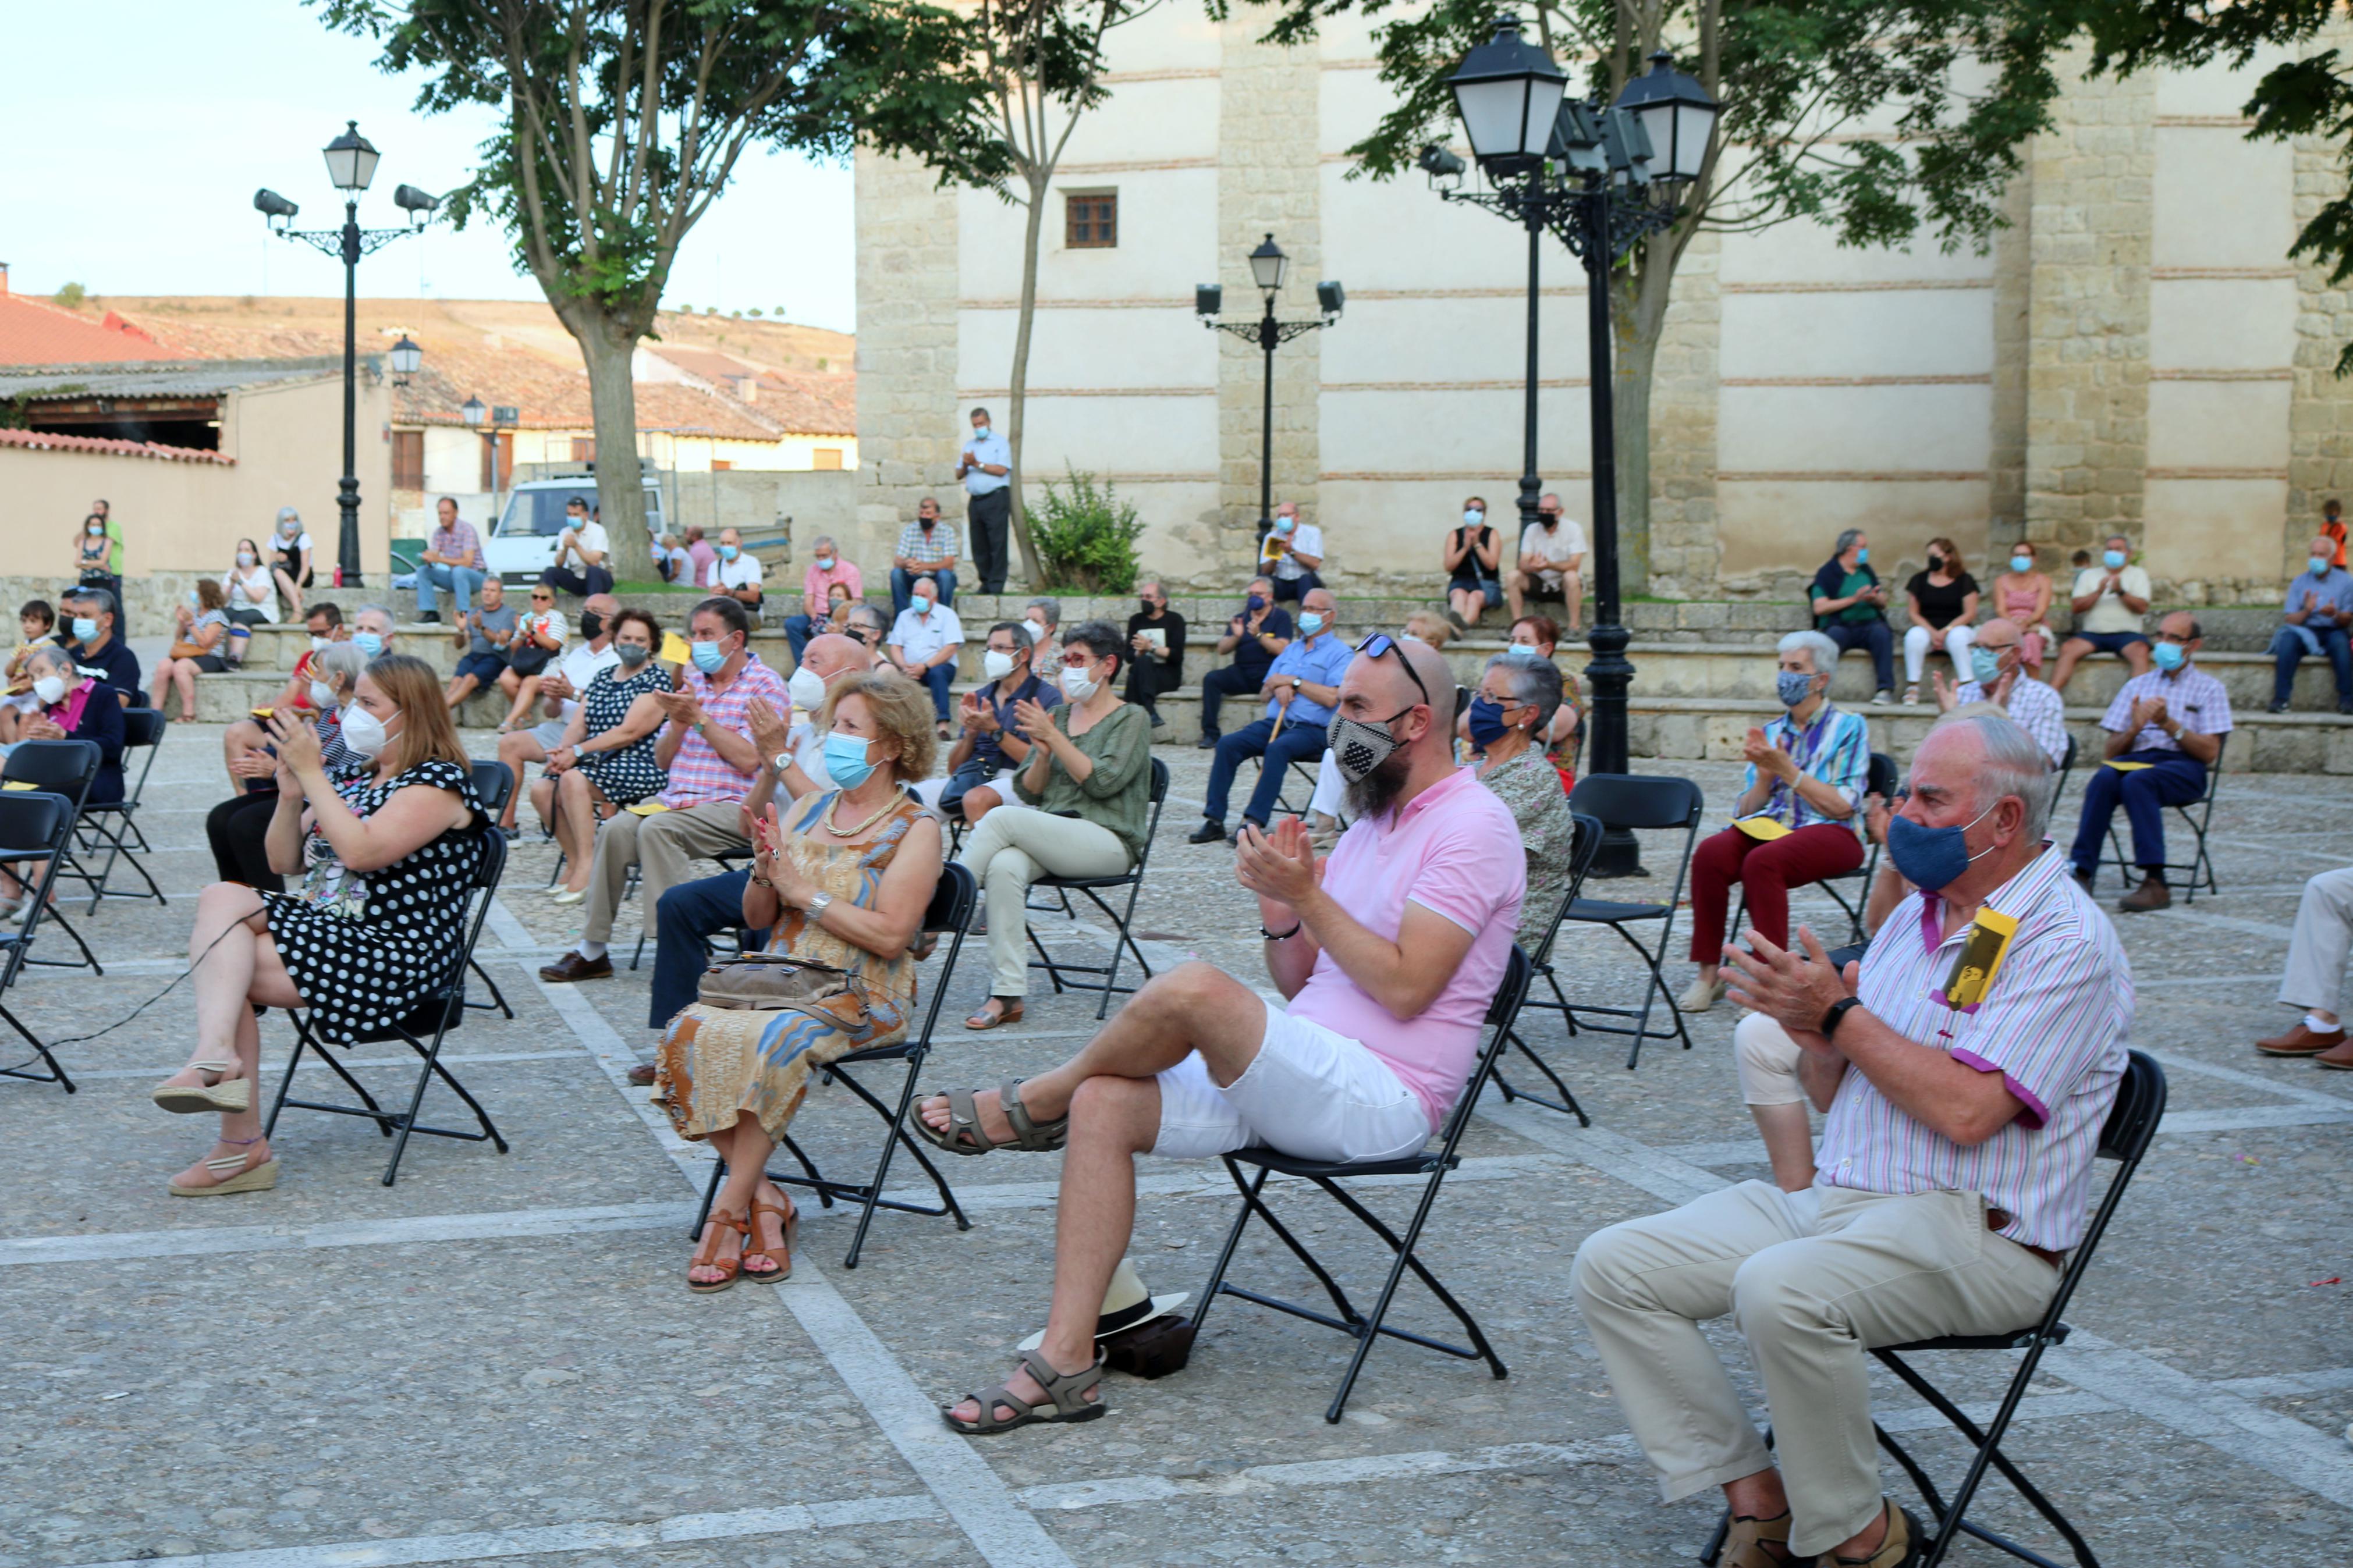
[(1699, 995), (1911, 697)]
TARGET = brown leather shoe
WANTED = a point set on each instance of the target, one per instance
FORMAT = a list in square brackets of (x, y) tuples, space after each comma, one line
[(2339, 1056), (2151, 894), (642, 1075), (2301, 1041), (572, 967)]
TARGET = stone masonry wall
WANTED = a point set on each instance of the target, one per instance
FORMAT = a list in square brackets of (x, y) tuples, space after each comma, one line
[(2320, 414), (907, 410), (2013, 292), (1684, 548)]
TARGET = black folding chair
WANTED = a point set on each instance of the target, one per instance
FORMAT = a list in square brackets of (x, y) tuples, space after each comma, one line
[(2067, 767), (439, 1011), (1094, 888), (951, 910), (36, 827), (493, 782), (1881, 778), (2132, 1122), (1430, 1162), (1637, 800), (1583, 848), (65, 768), (2194, 815), (113, 825)]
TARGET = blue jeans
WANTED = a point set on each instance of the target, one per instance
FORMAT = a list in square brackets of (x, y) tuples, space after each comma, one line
[(798, 629), (938, 676), (1874, 635), (2170, 779), (688, 916), (902, 587), (2289, 646), (1303, 743), (462, 581)]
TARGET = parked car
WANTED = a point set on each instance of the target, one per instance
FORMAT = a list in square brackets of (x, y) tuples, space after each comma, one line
[(522, 543)]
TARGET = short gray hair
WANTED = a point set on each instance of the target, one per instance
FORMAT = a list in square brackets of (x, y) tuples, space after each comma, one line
[(1053, 609), (1818, 648), (821, 541), (389, 618), (1847, 536), (340, 658), (50, 656), (1536, 680), (2015, 764)]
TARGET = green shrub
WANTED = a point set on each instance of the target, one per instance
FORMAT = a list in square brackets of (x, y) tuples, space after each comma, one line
[(1086, 538)]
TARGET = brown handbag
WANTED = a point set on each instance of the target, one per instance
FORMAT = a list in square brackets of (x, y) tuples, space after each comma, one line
[(768, 981)]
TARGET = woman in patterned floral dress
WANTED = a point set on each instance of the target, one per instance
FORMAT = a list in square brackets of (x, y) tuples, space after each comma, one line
[(842, 878), (1515, 703)]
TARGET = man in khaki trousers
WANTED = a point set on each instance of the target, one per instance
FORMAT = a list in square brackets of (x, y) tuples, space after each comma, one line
[(1954, 1172)]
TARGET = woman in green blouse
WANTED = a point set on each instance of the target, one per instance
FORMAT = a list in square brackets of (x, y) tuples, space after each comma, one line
[(1082, 800)]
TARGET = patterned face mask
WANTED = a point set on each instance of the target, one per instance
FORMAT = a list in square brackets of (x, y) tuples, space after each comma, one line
[(1358, 748)]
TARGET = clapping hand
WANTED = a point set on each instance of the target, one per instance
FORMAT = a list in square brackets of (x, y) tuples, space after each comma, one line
[(771, 731), (1875, 816), (553, 683), (978, 716), (2148, 711), (1945, 692), (1035, 722), (1278, 864), (40, 726), (679, 706), (298, 743), (1793, 989)]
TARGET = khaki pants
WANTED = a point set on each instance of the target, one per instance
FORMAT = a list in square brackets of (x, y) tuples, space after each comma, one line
[(2324, 932), (664, 844), (1012, 847), (1813, 1279)]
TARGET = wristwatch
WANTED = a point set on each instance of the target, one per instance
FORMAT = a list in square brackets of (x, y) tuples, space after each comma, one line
[(1837, 1015), (819, 903)]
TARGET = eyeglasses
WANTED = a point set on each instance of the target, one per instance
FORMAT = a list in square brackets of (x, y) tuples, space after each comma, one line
[(1381, 643)]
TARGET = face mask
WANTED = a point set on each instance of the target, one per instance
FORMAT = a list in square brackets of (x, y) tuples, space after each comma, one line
[(1473, 517), (1863, 555), (96, 529), (632, 654), (323, 696), (49, 688), (1077, 684), (364, 733), (1284, 526), (2112, 559), (707, 657), (1310, 622), (1409, 637), (85, 629), (1358, 748), (980, 430), (1149, 608), (1935, 561), (1930, 857), (1792, 687), (844, 759), (288, 529), (2320, 565), (1985, 665), (321, 644), (808, 690), (2169, 656), (591, 625), (1254, 603), (1527, 651), (245, 559), (368, 643), (1487, 725), (727, 553), (923, 606), (823, 564), (196, 600), (2022, 563), (995, 665), (928, 523)]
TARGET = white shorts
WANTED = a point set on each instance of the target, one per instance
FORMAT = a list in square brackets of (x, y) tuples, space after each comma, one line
[(1310, 1092), (548, 732), (1328, 787)]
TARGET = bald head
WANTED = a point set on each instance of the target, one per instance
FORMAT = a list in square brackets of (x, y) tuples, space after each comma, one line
[(828, 656)]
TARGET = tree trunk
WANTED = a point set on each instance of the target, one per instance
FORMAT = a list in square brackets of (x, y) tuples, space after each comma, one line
[(1638, 320), (607, 346), (1017, 398)]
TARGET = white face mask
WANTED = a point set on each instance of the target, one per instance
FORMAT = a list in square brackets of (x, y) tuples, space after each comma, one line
[(321, 644), (365, 734), (245, 559), (51, 689), (995, 665), (807, 687), (1077, 685), (323, 696)]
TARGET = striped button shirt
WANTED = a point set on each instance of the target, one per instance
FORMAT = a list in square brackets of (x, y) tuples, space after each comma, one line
[(698, 775), (2195, 700), (2040, 711), (2053, 1025), (929, 548), (1836, 748)]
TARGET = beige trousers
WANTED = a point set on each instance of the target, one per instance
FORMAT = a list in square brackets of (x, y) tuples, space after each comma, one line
[(2316, 953), (664, 844), (1012, 847), (1813, 1279)]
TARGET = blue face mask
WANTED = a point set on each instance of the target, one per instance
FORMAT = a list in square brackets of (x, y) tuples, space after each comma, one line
[(368, 643), (1486, 723), (2320, 565), (1792, 687), (707, 657), (85, 629), (1985, 665), (2022, 563), (845, 759), (1930, 857), (1863, 555), (2112, 559), (1254, 603), (2169, 656), (1310, 622), (727, 553), (1472, 517)]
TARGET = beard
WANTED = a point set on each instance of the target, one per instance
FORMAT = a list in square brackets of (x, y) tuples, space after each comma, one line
[(1377, 790)]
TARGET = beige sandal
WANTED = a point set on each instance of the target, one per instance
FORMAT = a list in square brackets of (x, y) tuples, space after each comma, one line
[(1067, 1390), (235, 1177), (1749, 1542), (227, 1094)]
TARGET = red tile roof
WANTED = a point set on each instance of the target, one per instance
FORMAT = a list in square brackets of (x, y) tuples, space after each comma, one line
[(802, 404), (42, 441), (34, 332), (553, 398)]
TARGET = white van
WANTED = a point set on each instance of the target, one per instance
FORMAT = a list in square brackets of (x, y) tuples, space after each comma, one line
[(522, 543)]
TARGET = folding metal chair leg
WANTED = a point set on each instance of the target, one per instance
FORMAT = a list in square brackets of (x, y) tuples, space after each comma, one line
[(1567, 1104), (1988, 1446), (497, 998), (57, 1073), (816, 1178), (898, 1120), (55, 916), (1233, 1239)]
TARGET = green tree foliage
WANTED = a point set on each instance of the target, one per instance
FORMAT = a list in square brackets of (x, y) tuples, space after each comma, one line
[(70, 296), (1086, 538)]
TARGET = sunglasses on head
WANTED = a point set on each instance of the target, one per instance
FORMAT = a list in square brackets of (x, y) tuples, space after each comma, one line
[(1379, 643)]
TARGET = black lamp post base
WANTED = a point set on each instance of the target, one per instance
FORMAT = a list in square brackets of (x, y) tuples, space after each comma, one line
[(1621, 855)]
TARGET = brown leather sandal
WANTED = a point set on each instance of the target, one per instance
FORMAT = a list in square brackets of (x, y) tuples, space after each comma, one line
[(788, 1223), (720, 1223)]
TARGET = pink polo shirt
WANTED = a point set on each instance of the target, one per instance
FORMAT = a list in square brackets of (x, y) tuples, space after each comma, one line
[(1454, 850)]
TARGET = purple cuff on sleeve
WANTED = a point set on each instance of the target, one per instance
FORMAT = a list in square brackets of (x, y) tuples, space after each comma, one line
[(2035, 1114)]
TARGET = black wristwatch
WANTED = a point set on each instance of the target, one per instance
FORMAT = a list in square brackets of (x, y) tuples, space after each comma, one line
[(1837, 1015)]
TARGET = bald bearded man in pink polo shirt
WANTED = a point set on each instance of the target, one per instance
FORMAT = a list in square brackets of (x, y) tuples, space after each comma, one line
[(1390, 953)]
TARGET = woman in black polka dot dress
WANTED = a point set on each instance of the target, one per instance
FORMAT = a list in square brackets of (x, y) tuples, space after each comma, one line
[(386, 852)]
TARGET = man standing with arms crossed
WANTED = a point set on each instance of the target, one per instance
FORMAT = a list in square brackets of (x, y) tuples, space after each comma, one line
[(984, 466)]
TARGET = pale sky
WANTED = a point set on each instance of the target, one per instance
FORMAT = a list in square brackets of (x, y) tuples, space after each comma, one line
[(143, 128)]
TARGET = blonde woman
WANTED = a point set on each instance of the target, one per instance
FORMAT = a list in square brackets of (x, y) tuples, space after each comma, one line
[(387, 850), (841, 877)]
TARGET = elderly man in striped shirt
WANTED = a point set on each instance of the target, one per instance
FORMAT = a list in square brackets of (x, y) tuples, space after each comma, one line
[(1967, 1064), (2164, 730)]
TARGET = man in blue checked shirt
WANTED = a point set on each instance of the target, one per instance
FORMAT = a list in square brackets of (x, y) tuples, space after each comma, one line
[(1302, 687), (2317, 611), (2165, 731)]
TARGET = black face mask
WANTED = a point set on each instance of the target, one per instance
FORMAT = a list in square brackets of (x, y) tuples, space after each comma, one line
[(1149, 608), (591, 624), (928, 523)]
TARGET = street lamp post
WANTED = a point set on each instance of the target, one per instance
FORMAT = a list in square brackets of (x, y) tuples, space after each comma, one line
[(1268, 264), (502, 418), (1599, 181), (351, 165)]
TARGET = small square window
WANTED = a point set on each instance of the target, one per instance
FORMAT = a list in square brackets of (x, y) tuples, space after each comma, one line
[(825, 458), (1091, 223)]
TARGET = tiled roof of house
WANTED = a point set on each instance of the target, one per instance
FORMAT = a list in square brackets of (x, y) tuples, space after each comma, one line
[(552, 397), (42, 441), (34, 332), (802, 404)]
